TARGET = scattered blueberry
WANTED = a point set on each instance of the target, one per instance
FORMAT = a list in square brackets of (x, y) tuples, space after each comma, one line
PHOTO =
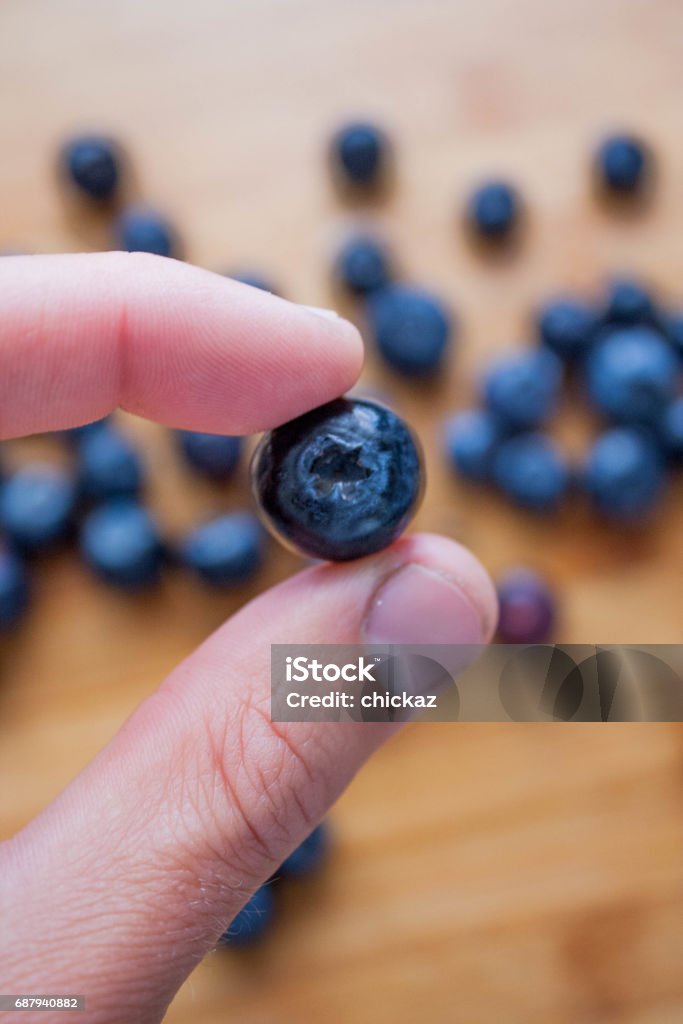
[(523, 389), (363, 265), (360, 155), (672, 429), (120, 542), (308, 856), (530, 469), (252, 921), (214, 455), (629, 302), (254, 280), (624, 474), (567, 326), (494, 210), (411, 328), (14, 589), (526, 608), (471, 440), (140, 230), (631, 374), (339, 482), (226, 550), (92, 164), (622, 164), (36, 506), (108, 465)]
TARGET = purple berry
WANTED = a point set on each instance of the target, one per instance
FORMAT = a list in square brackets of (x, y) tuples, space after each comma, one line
[(527, 609)]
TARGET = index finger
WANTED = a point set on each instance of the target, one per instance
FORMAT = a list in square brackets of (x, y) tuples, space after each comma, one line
[(81, 335)]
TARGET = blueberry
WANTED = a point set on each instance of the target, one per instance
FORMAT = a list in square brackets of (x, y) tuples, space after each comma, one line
[(494, 210), (567, 327), (92, 164), (225, 550), (120, 542), (74, 435), (631, 374), (36, 506), (530, 470), (622, 164), (308, 856), (471, 440), (255, 280), (624, 473), (411, 328), (363, 265), (629, 302), (253, 920), (523, 389), (14, 589), (140, 230), (108, 465), (360, 154), (673, 328), (213, 455), (527, 609), (339, 482), (671, 429)]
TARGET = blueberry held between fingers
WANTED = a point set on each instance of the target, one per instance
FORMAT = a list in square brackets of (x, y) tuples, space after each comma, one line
[(91, 163), (471, 439), (308, 856), (339, 482), (631, 374), (527, 610), (226, 550), (360, 155), (625, 474), (120, 542), (523, 389), (108, 465), (14, 588), (363, 265), (37, 505), (214, 455), (531, 470), (623, 164), (253, 920), (493, 211), (567, 327), (411, 328), (142, 230)]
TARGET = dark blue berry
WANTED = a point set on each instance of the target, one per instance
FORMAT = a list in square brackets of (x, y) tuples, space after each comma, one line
[(471, 440), (120, 542), (214, 455), (494, 210), (631, 374), (530, 469), (526, 608), (92, 164), (254, 280), (74, 435), (671, 429), (226, 550), (363, 265), (411, 328), (567, 326), (624, 474), (629, 302), (673, 327), (308, 856), (14, 588), (622, 164), (523, 389), (339, 482), (360, 154), (253, 920), (37, 505), (140, 230), (108, 465)]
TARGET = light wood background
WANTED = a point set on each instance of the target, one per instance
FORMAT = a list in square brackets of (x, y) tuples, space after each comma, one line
[(484, 875)]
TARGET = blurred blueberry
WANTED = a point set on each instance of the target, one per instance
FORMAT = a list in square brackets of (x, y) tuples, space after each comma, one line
[(411, 328), (141, 230), (527, 609), (252, 921), (629, 302), (226, 550), (255, 280), (631, 374), (108, 465), (120, 542), (308, 856), (213, 455), (493, 210), (624, 474), (74, 435), (673, 328), (360, 154), (363, 265), (91, 162), (14, 588), (622, 164), (471, 439), (671, 431), (36, 506), (523, 389), (530, 469), (567, 326)]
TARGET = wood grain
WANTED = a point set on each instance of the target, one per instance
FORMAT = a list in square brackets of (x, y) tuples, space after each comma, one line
[(480, 874)]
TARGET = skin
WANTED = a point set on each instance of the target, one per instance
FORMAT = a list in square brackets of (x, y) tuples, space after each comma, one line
[(128, 878)]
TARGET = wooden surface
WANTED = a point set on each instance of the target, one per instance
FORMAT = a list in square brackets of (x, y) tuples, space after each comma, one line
[(483, 875)]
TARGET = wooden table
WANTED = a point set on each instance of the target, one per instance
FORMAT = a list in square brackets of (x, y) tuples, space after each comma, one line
[(480, 874)]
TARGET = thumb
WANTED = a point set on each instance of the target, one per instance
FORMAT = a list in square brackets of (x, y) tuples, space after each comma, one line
[(123, 884)]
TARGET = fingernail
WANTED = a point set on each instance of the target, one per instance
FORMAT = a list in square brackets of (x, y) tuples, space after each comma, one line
[(416, 605), (328, 314)]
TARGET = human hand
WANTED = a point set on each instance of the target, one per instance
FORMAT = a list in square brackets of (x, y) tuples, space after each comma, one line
[(119, 888)]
